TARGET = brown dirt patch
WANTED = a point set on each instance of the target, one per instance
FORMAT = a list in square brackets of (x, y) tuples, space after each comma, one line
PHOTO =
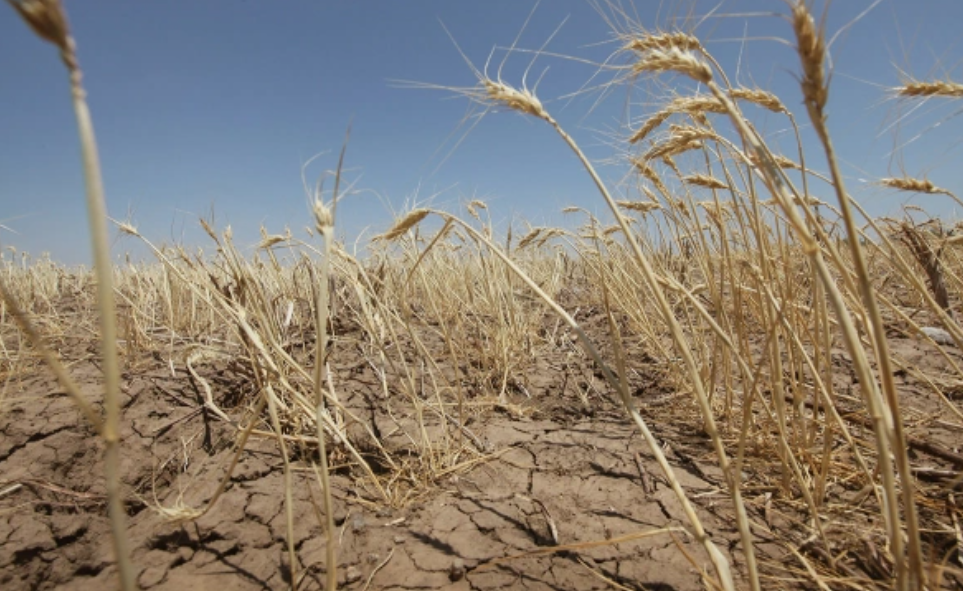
[(577, 477)]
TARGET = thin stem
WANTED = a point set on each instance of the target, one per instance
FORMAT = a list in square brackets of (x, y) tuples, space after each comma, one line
[(882, 357), (682, 347), (97, 219)]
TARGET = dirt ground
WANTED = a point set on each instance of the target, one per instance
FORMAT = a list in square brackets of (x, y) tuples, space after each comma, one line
[(554, 473), (582, 478)]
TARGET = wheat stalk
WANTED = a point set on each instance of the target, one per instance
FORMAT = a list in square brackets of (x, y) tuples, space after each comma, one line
[(49, 21)]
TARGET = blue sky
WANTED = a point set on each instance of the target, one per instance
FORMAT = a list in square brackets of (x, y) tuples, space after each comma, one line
[(218, 103)]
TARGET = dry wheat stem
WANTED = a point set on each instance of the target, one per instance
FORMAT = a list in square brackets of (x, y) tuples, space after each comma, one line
[(811, 50), (324, 219), (267, 391), (48, 20), (879, 411), (684, 350)]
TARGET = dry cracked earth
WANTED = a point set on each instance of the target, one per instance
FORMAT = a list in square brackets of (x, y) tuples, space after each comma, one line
[(567, 497), (554, 479)]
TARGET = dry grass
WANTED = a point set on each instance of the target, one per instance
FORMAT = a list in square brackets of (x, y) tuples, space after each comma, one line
[(774, 319)]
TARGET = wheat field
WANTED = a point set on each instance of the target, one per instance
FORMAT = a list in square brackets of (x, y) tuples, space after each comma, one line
[(734, 379)]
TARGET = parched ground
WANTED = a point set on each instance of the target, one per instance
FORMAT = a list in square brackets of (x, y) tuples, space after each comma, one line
[(554, 474), (551, 481)]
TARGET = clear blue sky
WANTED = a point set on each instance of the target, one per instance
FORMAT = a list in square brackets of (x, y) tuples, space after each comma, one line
[(201, 103)]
